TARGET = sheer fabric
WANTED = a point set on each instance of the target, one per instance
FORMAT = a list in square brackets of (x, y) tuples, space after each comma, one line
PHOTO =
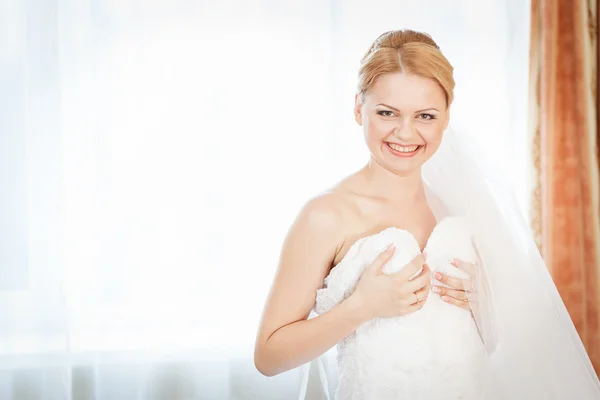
[(153, 154)]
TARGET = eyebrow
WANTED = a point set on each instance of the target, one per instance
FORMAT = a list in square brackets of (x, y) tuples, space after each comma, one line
[(395, 109)]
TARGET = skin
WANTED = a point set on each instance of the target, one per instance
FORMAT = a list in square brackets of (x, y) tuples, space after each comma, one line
[(420, 119), (388, 191)]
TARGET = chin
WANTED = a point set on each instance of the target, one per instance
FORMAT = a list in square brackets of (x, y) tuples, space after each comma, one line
[(406, 170), (401, 167)]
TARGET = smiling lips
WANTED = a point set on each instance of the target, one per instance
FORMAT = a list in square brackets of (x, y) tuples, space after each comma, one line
[(403, 151)]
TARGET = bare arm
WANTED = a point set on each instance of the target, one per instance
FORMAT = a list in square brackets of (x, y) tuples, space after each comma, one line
[(286, 339)]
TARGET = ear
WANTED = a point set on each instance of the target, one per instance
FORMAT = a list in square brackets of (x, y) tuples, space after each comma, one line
[(358, 109)]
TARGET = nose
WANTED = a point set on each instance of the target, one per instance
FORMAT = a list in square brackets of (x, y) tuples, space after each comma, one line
[(405, 129)]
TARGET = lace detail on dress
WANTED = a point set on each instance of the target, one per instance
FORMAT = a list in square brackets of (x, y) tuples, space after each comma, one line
[(435, 352)]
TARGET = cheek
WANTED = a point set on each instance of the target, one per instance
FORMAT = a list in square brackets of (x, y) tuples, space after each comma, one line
[(376, 129), (432, 134)]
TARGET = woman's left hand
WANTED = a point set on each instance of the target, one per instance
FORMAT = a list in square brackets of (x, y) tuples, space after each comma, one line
[(460, 293)]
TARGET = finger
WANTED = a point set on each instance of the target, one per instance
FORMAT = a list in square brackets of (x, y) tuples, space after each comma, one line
[(414, 307), (424, 271), (418, 283), (410, 269), (468, 283), (457, 294), (458, 263), (468, 267), (459, 303), (382, 259), (421, 295), (453, 282)]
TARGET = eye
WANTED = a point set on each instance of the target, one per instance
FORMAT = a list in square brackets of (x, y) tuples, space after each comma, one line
[(426, 116), (385, 113)]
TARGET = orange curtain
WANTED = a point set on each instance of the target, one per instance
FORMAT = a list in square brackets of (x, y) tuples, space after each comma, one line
[(564, 124)]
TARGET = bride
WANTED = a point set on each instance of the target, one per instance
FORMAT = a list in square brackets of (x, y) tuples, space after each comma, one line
[(419, 268)]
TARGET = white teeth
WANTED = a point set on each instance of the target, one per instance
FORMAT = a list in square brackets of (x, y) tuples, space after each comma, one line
[(403, 149)]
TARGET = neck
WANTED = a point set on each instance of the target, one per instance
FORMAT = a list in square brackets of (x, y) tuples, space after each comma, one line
[(396, 187)]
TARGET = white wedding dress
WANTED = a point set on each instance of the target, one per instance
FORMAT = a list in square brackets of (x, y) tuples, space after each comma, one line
[(433, 353), (523, 345)]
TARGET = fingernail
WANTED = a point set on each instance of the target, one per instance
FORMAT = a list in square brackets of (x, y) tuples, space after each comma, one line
[(390, 248), (436, 289), (438, 276), (446, 298)]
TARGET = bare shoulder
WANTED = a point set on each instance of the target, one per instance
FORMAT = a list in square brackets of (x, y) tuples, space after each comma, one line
[(331, 209), (324, 211), (323, 221), (320, 222)]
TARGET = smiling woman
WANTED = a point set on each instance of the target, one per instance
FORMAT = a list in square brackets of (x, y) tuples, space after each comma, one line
[(408, 127), (402, 103), (411, 262)]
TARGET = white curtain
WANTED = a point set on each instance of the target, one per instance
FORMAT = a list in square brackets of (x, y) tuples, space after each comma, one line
[(154, 153)]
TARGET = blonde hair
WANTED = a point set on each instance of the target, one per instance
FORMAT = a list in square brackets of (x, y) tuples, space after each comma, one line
[(406, 51)]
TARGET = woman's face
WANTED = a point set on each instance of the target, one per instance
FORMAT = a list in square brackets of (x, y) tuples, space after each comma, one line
[(403, 117)]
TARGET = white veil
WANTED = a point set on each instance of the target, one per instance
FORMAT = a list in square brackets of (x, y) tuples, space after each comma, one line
[(534, 351), (533, 347)]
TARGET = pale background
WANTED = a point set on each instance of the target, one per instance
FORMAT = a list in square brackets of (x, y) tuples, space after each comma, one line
[(154, 153)]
